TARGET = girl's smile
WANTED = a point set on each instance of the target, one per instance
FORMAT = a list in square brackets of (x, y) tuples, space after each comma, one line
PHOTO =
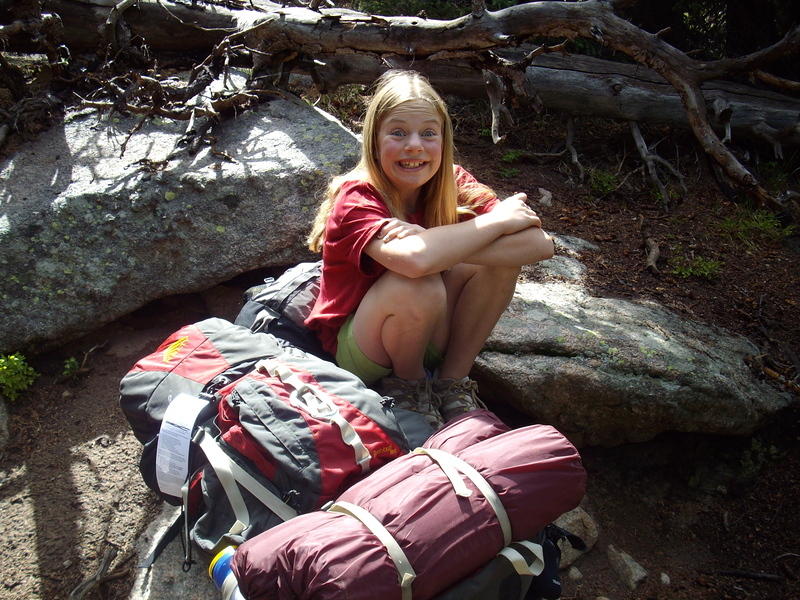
[(410, 148)]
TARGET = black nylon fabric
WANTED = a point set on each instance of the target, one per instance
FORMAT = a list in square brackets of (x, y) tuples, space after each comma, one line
[(496, 580)]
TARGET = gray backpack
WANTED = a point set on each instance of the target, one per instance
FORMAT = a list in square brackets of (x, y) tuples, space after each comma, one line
[(280, 306)]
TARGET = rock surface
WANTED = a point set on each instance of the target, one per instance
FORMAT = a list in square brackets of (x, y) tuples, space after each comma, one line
[(580, 523), (607, 371), (89, 234), (165, 579), (631, 572)]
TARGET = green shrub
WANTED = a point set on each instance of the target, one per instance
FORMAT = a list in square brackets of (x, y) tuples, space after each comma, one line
[(508, 172), (698, 266), (602, 182), (774, 176), (752, 227), (16, 375), (71, 367), (512, 156), (347, 103)]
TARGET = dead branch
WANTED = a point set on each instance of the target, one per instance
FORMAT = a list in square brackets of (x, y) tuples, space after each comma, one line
[(653, 254), (109, 32), (786, 555), (785, 85), (721, 112), (495, 88), (89, 584), (751, 575), (4, 131), (789, 45), (573, 154), (651, 160)]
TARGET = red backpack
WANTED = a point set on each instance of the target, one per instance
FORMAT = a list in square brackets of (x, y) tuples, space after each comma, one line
[(277, 432)]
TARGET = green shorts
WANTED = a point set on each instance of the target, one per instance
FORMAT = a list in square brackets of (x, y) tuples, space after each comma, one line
[(349, 356)]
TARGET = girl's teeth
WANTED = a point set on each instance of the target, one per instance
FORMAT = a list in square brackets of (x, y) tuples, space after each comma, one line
[(411, 165)]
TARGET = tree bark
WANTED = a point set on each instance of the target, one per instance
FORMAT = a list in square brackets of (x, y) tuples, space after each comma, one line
[(586, 86)]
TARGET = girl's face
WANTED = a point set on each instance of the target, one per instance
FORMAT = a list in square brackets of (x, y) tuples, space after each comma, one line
[(410, 148)]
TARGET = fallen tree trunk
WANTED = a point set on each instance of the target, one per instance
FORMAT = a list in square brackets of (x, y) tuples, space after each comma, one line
[(284, 39), (581, 85)]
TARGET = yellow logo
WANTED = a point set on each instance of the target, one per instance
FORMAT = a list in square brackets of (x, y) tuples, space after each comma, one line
[(383, 451), (173, 349)]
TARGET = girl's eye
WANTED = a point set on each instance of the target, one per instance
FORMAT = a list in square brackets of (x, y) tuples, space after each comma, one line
[(397, 132), (429, 133)]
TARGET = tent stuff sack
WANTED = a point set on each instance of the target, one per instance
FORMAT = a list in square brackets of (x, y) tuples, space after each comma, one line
[(423, 522), (246, 431)]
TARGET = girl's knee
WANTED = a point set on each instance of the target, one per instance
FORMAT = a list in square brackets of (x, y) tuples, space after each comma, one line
[(499, 281), (500, 275), (425, 294)]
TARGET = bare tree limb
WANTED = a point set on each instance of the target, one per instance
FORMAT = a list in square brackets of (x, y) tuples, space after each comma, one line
[(653, 254), (785, 85), (110, 26), (790, 44), (649, 160), (572, 152)]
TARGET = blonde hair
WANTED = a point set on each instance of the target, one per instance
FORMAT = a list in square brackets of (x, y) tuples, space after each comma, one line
[(440, 195)]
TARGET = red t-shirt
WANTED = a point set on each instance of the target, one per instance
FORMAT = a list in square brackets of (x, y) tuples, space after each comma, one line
[(347, 271)]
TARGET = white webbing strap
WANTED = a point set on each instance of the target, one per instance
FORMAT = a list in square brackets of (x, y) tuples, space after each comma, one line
[(405, 572), (520, 563), (451, 466), (318, 406), (229, 473)]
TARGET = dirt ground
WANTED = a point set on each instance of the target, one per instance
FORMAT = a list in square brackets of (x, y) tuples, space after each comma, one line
[(720, 517)]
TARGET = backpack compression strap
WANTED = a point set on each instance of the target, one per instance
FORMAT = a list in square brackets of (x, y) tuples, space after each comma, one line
[(318, 406), (453, 467), (405, 572), (522, 565), (229, 473)]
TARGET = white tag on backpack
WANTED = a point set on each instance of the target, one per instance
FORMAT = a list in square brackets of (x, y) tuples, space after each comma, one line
[(174, 437)]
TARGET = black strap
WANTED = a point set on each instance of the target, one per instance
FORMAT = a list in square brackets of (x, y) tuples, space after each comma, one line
[(170, 534), (555, 533)]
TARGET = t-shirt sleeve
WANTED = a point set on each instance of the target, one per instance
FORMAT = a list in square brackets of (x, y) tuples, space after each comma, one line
[(465, 179), (358, 215)]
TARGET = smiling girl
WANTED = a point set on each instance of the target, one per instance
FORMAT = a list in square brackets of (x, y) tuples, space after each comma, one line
[(419, 259)]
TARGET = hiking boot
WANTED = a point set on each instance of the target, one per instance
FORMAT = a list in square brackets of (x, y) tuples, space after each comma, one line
[(456, 396), (412, 395)]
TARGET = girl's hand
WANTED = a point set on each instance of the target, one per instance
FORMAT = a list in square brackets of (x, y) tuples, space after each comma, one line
[(515, 214), (397, 229)]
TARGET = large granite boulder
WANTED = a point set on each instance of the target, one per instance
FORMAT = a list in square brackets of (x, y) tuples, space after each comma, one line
[(89, 233), (609, 371)]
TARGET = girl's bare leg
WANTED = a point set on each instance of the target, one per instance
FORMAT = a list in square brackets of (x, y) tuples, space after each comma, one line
[(396, 320), (477, 296)]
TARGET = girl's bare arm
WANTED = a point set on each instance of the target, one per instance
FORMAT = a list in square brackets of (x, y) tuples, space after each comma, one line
[(421, 251), (514, 250)]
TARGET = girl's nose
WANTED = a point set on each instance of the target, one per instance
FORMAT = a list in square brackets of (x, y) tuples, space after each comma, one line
[(413, 142)]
